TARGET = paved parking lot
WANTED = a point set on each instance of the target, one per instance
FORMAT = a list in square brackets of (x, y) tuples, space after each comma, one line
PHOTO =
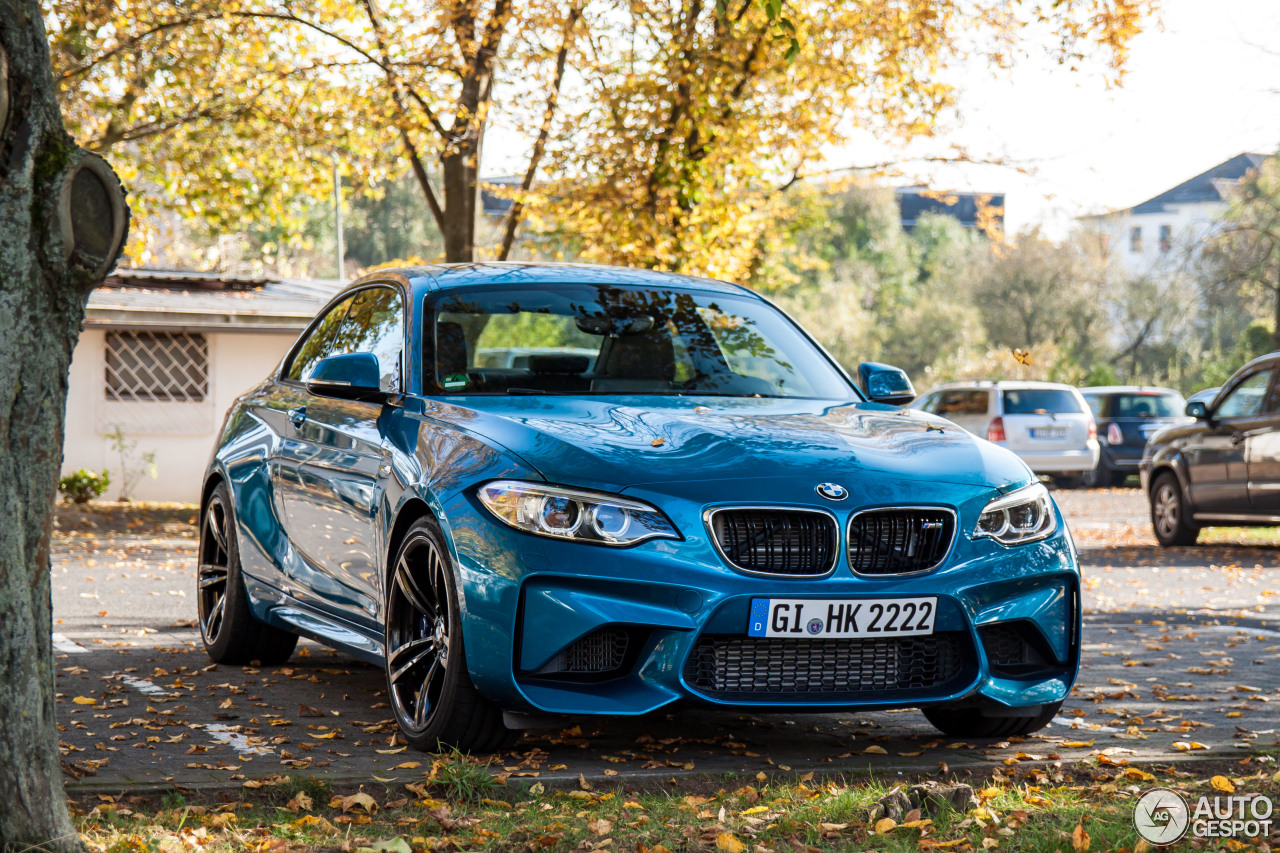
[(1181, 650)]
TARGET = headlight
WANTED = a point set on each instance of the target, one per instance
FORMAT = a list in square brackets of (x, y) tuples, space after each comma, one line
[(572, 514), (1023, 516)]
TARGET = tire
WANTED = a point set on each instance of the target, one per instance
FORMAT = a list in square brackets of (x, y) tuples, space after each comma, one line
[(1169, 512), (230, 632), (1068, 481), (971, 722), (1101, 477), (435, 704)]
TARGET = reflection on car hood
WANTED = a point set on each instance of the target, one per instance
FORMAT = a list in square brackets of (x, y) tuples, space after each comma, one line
[(614, 442)]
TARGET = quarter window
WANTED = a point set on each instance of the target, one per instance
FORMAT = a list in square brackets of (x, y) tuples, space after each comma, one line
[(157, 367), (318, 343), (1245, 400), (374, 323)]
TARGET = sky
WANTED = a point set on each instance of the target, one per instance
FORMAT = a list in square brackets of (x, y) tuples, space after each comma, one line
[(1202, 87)]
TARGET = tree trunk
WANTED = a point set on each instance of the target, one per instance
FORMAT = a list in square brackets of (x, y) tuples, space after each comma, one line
[(44, 283), (459, 165)]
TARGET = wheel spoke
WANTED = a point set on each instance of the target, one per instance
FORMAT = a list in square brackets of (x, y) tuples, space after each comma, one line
[(408, 657), (211, 575), (409, 586), (215, 521), (424, 698), (438, 589), (214, 623)]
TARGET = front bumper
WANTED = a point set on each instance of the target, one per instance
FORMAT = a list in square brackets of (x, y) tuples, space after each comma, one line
[(558, 627)]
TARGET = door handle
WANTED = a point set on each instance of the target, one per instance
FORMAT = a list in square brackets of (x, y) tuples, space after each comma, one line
[(298, 415), (1236, 438)]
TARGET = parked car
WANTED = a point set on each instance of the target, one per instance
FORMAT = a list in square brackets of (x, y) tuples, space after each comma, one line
[(671, 521), (1046, 424), (1127, 415), (1224, 467)]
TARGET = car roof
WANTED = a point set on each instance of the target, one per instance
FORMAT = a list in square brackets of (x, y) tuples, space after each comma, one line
[(1128, 389), (523, 273), (1009, 384)]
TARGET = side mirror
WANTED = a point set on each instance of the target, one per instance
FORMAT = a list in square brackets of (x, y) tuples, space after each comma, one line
[(352, 376), (1198, 410), (885, 384)]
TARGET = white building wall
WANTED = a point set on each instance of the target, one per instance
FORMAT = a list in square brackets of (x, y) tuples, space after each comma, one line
[(1189, 224), (182, 435)]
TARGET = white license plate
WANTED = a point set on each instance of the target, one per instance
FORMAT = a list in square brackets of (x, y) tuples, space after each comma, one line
[(866, 617), (1049, 433)]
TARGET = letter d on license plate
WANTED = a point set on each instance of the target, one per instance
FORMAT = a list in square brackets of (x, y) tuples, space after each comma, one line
[(865, 617)]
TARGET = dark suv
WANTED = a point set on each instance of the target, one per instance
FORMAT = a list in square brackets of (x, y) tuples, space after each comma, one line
[(1127, 416), (1225, 467)]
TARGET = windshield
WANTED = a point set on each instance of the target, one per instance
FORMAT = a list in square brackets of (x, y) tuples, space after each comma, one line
[(1146, 406), (1031, 401), (605, 339)]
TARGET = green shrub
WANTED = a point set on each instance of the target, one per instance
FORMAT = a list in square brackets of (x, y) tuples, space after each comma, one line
[(84, 485)]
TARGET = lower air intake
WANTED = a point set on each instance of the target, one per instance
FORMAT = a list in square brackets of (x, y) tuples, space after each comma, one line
[(778, 669)]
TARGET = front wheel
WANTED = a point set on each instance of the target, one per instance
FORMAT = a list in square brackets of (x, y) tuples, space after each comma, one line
[(1169, 513), (971, 722), (434, 701), (229, 629), (1101, 477)]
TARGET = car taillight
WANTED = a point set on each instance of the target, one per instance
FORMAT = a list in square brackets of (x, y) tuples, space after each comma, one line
[(1114, 435), (995, 430)]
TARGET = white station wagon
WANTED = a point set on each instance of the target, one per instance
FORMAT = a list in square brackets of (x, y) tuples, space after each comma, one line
[(1047, 424)]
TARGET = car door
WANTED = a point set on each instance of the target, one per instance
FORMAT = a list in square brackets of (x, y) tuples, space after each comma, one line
[(1263, 457), (1217, 472), (339, 466)]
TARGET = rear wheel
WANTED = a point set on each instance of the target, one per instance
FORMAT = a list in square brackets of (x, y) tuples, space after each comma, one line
[(971, 722), (231, 633), (1169, 516), (434, 701), (1101, 477)]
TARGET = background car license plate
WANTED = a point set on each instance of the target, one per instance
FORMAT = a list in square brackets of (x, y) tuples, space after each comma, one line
[(866, 617), (1051, 433)]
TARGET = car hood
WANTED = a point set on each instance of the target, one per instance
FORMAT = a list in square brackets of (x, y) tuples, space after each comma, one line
[(617, 442)]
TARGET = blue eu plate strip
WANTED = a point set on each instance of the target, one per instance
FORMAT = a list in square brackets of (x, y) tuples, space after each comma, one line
[(759, 616)]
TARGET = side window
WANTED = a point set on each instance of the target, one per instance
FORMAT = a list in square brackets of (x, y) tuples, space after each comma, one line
[(961, 401), (318, 343), (375, 324), (1095, 404), (1245, 400), (926, 405)]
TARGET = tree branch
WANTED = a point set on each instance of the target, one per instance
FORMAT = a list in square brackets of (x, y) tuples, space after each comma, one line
[(544, 132)]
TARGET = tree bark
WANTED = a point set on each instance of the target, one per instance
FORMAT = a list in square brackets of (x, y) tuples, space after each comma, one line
[(42, 299)]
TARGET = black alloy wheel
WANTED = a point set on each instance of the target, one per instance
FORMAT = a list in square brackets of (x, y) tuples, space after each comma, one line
[(434, 701), (230, 632), (215, 561)]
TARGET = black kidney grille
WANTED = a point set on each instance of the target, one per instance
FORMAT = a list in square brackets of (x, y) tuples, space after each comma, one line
[(779, 668), (776, 541), (899, 541)]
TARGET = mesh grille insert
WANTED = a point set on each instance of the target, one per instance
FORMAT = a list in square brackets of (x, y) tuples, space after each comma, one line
[(1008, 649), (776, 668), (602, 651), (899, 541), (776, 541)]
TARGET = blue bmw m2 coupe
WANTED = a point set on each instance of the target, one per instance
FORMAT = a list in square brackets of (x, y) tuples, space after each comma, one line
[(666, 493)]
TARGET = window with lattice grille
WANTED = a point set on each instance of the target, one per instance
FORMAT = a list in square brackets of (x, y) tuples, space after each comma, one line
[(159, 367)]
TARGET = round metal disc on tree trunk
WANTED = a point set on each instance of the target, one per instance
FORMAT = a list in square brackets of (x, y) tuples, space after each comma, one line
[(92, 215)]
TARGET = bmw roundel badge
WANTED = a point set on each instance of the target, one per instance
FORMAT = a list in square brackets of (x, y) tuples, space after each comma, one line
[(833, 491)]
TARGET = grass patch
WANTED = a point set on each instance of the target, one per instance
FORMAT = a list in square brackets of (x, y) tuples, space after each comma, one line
[(1034, 809)]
